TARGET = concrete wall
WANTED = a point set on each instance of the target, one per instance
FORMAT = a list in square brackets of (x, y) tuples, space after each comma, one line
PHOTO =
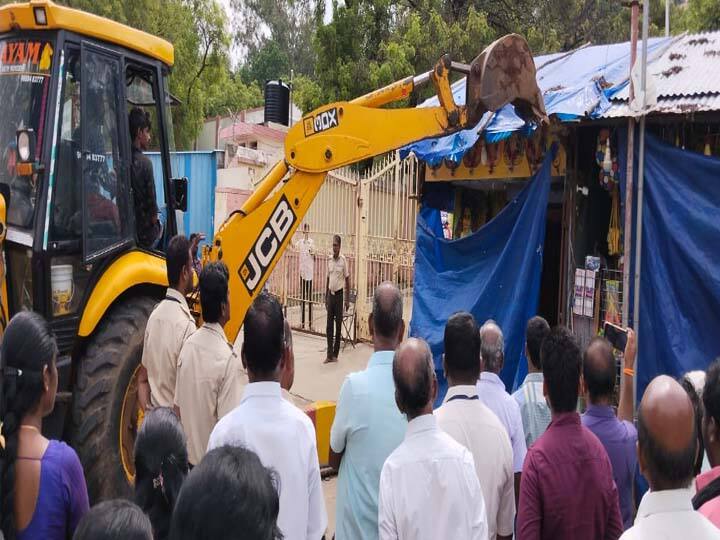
[(274, 149), (244, 169), (227, 200), (206, 139)]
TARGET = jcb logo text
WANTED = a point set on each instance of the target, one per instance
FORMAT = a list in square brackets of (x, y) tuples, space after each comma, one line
[(266, 246)]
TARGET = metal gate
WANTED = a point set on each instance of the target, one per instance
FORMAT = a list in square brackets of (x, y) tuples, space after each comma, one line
[(374, 213)]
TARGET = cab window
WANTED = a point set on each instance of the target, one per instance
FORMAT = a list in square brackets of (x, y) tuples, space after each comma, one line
[(104, 170), (25, 68), (66, 221)]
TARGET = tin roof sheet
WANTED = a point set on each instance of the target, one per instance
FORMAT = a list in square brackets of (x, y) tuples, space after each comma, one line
[(668, 105), (689, 67)]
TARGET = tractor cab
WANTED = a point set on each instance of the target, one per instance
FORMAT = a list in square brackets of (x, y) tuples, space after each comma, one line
[(68, 83)]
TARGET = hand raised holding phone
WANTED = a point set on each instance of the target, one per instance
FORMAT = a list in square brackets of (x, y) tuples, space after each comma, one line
[(616, 335), (630, 349)]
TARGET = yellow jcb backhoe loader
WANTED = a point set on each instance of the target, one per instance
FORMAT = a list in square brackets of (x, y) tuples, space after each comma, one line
[(67, 82)]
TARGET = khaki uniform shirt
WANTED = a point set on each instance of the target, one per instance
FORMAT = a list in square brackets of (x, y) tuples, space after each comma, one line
[(169, 325), (337, 272), (209, 385)]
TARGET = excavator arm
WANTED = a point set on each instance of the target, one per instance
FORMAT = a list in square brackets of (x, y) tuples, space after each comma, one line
[(252, 239)]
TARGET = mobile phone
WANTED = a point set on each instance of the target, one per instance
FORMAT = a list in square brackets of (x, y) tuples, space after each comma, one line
[(616, 335)]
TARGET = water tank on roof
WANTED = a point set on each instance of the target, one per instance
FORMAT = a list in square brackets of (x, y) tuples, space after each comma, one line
[(277, 102)]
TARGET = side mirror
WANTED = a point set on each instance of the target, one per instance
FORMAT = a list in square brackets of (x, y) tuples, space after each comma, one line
[(179, 193), (25, 141)]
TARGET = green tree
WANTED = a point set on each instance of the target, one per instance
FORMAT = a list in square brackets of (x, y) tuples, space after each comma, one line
[(231, 95), (307, 93), (697, 16), (371, 43), (356, 52), (431, 35), (266, 63), (280, 26)]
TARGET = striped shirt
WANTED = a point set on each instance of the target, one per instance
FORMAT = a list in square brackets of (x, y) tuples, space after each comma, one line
[(534, 410)]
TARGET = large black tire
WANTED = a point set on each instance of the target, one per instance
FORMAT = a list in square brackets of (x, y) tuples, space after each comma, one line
[(105, 372)]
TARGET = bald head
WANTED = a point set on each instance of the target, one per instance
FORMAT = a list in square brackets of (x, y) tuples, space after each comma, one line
[(414, 377), (387, 322), (599, 370), (492, 346), (667, 438)]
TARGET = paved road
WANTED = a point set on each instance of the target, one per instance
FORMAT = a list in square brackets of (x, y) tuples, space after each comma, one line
[(315, 381)]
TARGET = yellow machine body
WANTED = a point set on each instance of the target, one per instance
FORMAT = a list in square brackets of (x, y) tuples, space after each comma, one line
[(129, 270)]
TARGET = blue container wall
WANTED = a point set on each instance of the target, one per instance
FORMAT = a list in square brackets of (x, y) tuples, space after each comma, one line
[(200, 168)]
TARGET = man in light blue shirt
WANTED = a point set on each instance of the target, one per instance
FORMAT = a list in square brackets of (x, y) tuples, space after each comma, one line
[(534, 409), (368, 425)]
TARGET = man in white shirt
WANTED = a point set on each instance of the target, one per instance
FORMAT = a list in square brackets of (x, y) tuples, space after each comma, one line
[(169, 325), (280, 434), (306, 250), (209, 379), (667, 446), (492, 393), (338, 276), (368, 425), (428, 486), (467, 420)]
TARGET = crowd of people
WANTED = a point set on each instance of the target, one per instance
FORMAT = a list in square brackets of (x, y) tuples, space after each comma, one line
[(222, 453)]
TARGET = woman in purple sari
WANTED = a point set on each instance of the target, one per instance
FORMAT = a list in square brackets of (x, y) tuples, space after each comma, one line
[(43, 488)]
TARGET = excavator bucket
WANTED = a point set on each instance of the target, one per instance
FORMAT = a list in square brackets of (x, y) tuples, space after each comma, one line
[(504, 73)]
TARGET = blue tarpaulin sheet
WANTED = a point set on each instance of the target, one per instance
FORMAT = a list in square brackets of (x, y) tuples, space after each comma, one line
[(494, 273), (679, 274), (574, 85), (200, 168)]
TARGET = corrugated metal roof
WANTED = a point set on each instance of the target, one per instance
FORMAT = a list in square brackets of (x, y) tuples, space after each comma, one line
[(689, 67), (592, 82), (668, 105)]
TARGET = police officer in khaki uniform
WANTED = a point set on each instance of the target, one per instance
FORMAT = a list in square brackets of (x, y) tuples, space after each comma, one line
[(209, 378), (169, 325), (338, 276)]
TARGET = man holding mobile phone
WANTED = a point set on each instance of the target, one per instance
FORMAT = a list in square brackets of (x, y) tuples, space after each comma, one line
[(617, 433)]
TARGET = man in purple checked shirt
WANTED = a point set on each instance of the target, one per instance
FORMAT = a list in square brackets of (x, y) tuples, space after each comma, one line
[(616, 433), (567, 490)]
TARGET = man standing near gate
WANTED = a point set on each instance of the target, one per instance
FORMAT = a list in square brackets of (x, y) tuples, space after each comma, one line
[(306, 249), (338, 276)]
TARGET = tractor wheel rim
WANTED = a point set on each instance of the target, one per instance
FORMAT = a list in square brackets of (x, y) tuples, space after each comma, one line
[(131, 417)]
